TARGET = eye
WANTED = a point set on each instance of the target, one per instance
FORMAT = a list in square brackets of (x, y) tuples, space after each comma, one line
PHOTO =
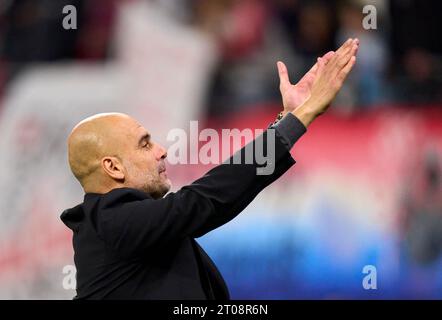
[(147, 145)]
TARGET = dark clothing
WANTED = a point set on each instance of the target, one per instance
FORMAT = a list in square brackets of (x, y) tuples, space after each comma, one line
[(130, 246)]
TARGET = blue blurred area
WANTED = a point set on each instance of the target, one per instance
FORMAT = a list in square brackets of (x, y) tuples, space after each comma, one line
[(272, 255)]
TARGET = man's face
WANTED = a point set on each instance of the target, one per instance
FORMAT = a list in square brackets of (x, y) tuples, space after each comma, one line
[(144, 161)]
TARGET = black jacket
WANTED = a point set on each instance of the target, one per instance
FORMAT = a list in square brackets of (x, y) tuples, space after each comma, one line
[(129, 246)]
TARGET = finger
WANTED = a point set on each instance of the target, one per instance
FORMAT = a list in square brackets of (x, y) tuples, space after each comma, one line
[(352, 47), (346, 70), (321, 65), (340, 52), (283, 74), (354, 50), (346, 56), (313, 69), (356, 41), (344, 46), (309, 77), (328, 56)]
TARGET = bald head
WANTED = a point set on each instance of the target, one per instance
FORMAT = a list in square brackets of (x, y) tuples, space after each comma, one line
[(94, 138), (111, 150)]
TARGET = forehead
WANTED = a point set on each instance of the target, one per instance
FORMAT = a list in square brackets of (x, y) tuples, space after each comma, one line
[(129, 125), (141, 131), (130, 129)]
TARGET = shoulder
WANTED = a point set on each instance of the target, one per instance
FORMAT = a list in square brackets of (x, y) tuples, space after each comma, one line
[(119, 196)]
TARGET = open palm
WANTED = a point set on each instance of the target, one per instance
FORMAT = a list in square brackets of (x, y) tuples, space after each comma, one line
[(295, 95)]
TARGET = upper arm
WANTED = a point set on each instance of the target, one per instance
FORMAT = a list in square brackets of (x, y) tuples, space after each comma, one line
[(133, 227)]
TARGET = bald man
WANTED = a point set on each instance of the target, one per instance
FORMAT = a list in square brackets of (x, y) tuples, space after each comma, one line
[(133, 242)]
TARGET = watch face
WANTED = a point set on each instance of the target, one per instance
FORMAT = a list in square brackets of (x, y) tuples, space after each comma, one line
[(279, 117)]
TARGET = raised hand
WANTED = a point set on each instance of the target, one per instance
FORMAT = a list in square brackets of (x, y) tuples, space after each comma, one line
[(295, 95), (329, 78)]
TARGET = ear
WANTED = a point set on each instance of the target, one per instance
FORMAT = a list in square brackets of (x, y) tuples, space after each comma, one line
[(113, 168)]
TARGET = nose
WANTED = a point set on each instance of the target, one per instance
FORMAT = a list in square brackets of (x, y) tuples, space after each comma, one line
[(161, 152)]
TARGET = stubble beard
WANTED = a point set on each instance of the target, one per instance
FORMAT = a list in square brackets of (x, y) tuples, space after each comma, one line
[(156, 186)]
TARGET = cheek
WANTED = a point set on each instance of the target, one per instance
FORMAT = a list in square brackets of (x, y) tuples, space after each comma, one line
[(135, 165), (146, 164)]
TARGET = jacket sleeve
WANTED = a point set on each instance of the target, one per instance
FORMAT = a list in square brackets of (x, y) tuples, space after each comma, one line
[(131, 226)]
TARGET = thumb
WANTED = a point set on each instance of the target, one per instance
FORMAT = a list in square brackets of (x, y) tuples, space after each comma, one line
[(283, 74)]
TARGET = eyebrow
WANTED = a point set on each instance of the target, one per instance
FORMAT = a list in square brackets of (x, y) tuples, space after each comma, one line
[(144, 137)]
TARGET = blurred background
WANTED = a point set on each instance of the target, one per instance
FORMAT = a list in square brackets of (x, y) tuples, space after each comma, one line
[(367, 186)]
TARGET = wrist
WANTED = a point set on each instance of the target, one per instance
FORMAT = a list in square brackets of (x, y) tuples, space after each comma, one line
[(304, 114), (284, 112)]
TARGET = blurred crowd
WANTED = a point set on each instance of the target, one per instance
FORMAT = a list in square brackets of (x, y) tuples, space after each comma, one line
[(400, 62), (421, 225)]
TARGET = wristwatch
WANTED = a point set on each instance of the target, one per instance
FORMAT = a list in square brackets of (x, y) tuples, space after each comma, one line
[(278, 117)]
